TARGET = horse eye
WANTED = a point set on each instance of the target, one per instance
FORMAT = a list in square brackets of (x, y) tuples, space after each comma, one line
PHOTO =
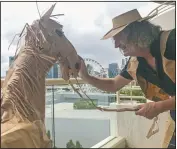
[(77, 65), (59, 33)]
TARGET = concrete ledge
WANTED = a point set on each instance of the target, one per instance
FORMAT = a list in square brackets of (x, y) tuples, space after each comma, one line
[(111, 142)]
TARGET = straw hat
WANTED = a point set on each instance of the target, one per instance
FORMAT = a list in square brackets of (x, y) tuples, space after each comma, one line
[(123, 20)]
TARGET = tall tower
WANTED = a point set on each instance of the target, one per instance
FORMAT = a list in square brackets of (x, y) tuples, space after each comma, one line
[(113, 70), (123, 63), (53, 73), (11, 59)]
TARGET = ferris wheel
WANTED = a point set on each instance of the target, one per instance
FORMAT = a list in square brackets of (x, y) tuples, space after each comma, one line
[(94, 69)]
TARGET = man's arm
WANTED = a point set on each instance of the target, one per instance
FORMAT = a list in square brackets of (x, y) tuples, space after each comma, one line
[(166, 105), (108, 84)]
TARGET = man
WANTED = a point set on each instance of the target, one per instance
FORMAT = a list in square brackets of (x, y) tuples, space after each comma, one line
[(152, 63)]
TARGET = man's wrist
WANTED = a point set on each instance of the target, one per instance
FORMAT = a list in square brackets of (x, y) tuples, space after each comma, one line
[(160, 106), (166, 105)]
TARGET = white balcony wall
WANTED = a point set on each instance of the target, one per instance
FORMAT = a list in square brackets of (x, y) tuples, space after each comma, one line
[(135, 128)]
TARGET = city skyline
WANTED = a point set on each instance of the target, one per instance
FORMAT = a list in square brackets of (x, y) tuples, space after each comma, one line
[(54, 71)]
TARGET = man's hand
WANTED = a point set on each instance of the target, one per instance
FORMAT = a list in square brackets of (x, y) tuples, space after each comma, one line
[(152, 109), (148, 110)]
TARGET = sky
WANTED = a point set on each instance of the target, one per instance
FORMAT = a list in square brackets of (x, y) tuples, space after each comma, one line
[(85, 23)]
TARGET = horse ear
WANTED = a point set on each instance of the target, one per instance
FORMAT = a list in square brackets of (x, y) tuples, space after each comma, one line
[(47, 15)]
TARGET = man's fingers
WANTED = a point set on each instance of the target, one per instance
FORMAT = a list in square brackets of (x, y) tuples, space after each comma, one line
[(140, 111), (137, 107)]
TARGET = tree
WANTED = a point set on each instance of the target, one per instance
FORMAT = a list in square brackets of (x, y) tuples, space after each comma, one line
[(82, 104), (78, 145), (48, 134), (134, 93), (70, 144)]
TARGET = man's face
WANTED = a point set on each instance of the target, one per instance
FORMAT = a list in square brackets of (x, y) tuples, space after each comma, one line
[(128, 49)]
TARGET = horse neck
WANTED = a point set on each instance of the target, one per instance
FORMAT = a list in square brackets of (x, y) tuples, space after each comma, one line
[(25, 87)]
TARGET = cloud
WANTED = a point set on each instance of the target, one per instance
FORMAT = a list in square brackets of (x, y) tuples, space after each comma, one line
[(102, 51), (84, 25), (116, 8), (146, 9)]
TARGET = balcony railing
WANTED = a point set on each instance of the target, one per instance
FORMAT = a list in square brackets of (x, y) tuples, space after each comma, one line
[(111, 141), (118, 136), (58, 82)]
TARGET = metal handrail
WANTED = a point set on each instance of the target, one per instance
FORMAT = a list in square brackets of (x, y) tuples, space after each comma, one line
[(59, 81), (161, 8)]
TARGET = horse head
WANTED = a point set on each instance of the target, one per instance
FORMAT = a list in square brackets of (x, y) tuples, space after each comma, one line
[(53, 43)]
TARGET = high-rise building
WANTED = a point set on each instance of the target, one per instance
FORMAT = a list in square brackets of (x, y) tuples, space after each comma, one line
[(123, 63), (126, 60), (50, 73), (59, 72), (113, 70), (53, 73), (11, 59)]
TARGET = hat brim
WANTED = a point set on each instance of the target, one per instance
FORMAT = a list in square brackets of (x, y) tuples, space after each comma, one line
[(114, 32)]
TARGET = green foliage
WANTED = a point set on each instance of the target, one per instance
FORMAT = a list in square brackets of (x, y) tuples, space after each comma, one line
[(134, 93), (82, 104), (48, 134), (137, 93), (142, 100), (70, 144), (78, 145)]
